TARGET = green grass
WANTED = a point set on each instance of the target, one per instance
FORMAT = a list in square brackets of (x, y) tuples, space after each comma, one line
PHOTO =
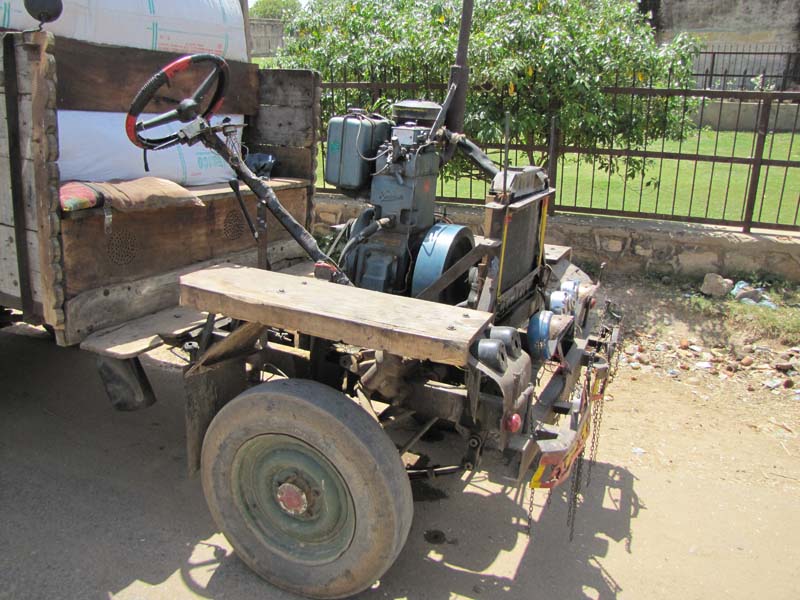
[(682, 188)]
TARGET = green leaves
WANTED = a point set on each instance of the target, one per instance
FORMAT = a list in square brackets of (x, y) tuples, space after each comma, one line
[(535, 58), (274, 9)]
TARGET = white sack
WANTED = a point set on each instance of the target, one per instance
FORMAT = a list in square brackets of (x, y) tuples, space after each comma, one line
[(94, 147), (182, 26)]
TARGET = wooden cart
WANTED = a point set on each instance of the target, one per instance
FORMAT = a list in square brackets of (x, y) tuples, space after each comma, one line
[(86, 272)]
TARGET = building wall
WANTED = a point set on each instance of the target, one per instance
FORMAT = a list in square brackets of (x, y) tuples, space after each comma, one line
[(742, 21), (266, 37)]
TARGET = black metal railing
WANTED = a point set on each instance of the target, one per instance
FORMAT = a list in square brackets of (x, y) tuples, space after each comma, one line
[(734, 158), (772, 67)]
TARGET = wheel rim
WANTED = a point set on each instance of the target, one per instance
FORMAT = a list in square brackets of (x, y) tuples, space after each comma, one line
[(293, 498)]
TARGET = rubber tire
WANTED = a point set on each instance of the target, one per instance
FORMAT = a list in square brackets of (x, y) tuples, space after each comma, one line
[(358, 448)]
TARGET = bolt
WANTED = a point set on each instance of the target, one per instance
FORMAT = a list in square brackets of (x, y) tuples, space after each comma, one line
[(451, 328)]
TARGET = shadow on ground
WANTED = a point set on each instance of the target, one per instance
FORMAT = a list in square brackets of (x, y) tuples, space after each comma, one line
[(96, 502)]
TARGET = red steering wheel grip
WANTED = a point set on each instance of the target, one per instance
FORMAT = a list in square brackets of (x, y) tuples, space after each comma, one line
[(148, 91)]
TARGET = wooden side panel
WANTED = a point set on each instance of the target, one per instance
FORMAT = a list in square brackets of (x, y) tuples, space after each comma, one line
[(404, 326), (9, 275), (288, 121), (89, 79), (144, 244), (286, 126), (39, 173), (110, 305)]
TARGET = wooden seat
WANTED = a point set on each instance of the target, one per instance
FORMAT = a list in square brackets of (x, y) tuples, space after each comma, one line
[(404, 326)]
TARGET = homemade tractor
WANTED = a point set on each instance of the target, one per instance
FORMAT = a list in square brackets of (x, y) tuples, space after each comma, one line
[(416, 317)]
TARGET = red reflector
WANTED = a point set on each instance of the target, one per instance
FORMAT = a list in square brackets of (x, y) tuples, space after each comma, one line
[(592, 302), (512, 423)]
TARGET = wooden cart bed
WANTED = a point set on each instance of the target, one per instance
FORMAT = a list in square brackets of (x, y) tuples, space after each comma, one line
[(84, 272)]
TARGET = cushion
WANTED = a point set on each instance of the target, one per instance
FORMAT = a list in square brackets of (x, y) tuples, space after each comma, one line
[(147, 193)]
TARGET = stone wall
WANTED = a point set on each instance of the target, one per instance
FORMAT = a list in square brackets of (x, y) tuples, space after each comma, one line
[(724, 115), (631, 245)]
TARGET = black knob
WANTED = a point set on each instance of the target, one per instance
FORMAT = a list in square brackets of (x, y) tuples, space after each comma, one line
[(44, 11)]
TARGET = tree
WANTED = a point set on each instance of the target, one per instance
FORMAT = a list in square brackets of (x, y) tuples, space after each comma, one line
[(274, 9), (537, 59)]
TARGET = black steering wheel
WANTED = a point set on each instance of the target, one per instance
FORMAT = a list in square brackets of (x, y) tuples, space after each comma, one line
[(187, 110)]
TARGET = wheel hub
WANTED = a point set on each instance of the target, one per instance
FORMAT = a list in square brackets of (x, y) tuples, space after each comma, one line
[(292, 499)]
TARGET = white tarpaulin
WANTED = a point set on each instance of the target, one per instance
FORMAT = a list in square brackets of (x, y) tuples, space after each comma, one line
[(93, 145), (182, 26)]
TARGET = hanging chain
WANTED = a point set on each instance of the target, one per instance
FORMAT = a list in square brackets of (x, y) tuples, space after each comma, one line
[(596, 416), (612, 352), (577, 467), (597, 421), (572, 500), (530, 432), (530, 512)]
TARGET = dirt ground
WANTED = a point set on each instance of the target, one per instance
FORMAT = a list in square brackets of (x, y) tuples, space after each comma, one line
[(694, 493)]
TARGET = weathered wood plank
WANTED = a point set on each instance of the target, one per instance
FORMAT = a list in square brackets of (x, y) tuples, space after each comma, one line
[(141, 335), (45, 177), (554, 253), (9, 272), (210, 193), (111, 305), (144, 244), (289, 87), (106, 78), (217, 191), (404, 326), (284, 126), (29, 193)]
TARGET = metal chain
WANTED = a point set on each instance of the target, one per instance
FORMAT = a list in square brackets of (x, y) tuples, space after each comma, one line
[(530, 513), (530, 432), (597, 421), (575, 488)]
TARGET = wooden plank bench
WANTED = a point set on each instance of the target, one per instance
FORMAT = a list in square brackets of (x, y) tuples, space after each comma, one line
[(404, 326)]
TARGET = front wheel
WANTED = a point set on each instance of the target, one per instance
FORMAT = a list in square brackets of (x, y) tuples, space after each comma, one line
[(307, 487)]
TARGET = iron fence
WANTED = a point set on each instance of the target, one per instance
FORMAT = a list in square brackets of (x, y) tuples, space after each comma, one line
[(734, 159), (748, 67)]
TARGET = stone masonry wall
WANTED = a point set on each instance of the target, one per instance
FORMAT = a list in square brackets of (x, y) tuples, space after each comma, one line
[(630, 245)]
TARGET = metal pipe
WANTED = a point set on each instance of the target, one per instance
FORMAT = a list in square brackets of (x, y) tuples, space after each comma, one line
[(417, 436), (459, 72)]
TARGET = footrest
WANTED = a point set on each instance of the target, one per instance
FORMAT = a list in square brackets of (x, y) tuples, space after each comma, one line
[(141, 335)]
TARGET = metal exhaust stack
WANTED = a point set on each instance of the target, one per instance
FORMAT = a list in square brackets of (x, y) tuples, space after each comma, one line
[(459, 72)]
